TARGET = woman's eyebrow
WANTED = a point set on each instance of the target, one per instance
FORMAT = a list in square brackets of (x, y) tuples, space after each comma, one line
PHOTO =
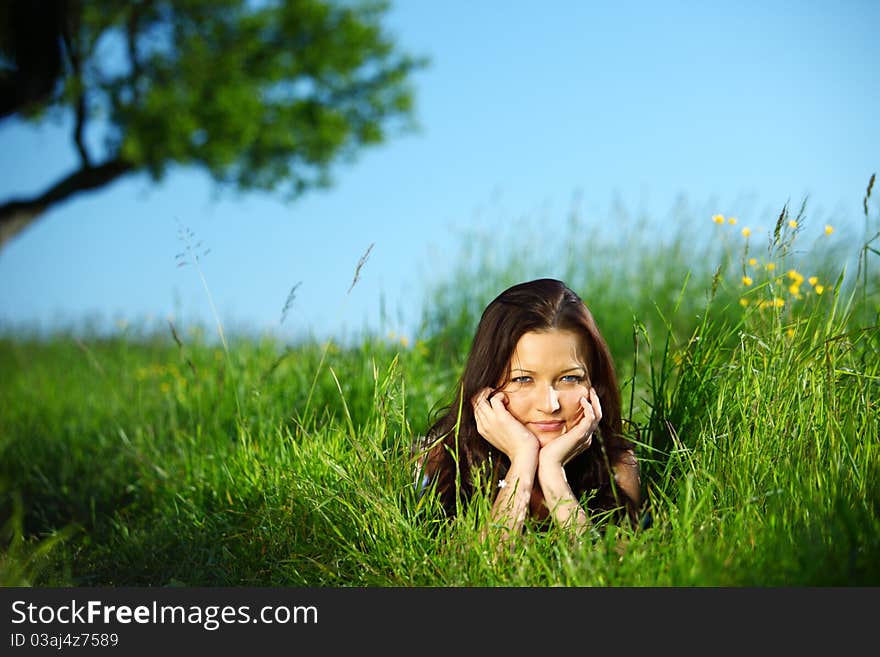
[(570, 369)]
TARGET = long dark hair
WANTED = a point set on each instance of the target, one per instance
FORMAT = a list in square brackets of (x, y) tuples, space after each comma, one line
[(458, 456)]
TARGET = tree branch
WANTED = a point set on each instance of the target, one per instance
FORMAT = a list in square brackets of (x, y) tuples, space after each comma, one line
[(18, 214), (78, 131), (70, 32)]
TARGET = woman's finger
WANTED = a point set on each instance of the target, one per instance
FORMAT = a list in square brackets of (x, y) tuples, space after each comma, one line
[(587, 416), (596, 405), (480, 397)]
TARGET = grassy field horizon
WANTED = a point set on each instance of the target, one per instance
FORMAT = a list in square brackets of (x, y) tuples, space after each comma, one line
[(747, 359)]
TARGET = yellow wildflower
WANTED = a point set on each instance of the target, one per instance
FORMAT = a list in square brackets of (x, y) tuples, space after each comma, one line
[(813, 280), (829, 229), (747, 280), (770, 266), (794, 289), (792, 223), (746, 231), (744, 302), (790, 332), (404, 341), (796, 276), (820, 289), (778, 302), (732, 221), (753, 262), (718, 219)]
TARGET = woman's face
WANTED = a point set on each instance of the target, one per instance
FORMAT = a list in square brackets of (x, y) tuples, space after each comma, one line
[(548, 376)]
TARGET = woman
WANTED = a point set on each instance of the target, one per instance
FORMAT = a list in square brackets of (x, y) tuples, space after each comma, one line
[(536, 416)]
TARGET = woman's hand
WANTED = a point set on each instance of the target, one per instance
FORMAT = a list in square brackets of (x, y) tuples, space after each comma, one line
[(578, 438), (558, 496), (508, 435), (503, 431)]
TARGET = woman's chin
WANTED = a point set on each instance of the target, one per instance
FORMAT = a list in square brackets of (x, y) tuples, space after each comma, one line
[(545, 439)]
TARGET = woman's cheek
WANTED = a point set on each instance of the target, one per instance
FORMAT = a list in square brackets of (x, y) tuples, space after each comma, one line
[(571, 401), (517, 406), (571, 396)]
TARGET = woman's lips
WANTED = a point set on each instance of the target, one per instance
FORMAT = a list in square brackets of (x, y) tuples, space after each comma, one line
[(548, 426)]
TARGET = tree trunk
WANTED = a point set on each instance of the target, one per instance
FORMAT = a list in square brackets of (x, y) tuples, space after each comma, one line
[(16, 215)]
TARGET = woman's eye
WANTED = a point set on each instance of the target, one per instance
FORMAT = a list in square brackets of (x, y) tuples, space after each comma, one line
[(572, 378), (521, 379)]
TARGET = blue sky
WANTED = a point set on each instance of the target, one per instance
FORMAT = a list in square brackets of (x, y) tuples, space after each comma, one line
[(737, 107)]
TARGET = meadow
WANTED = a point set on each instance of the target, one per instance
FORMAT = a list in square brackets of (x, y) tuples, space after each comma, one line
[(748, 362)]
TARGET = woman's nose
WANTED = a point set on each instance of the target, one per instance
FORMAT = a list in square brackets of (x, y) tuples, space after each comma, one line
[(549, 401)]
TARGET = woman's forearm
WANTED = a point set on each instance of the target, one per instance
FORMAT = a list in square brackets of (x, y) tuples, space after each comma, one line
[(560, 499), (512, 502)]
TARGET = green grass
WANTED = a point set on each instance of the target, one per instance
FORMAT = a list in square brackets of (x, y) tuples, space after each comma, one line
[(172, 458)]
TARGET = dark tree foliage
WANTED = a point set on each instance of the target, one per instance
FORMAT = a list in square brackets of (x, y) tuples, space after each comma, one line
[(31, 35)]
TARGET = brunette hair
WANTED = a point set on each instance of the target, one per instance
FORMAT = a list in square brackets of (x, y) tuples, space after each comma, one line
[(458, 457)]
